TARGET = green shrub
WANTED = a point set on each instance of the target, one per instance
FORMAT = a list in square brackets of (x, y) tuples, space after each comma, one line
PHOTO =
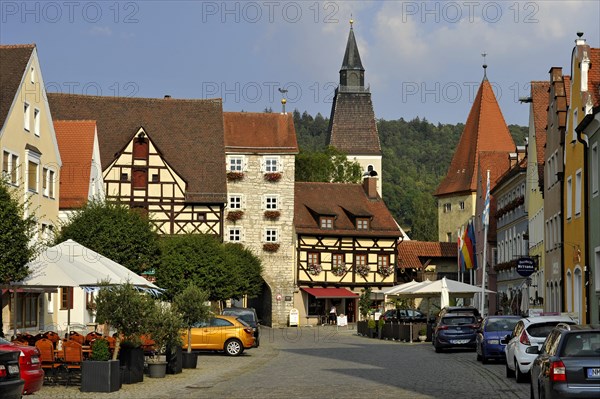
[(371, 323), (100, 350)]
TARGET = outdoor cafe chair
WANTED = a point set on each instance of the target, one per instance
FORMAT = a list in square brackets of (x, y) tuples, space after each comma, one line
[(49, 363), (73, 357)]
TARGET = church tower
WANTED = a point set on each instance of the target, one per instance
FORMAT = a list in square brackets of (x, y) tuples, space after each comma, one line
[(352, 125), (485, 137)]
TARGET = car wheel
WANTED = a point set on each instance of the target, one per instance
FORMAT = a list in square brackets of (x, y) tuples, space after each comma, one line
[(437, 348), (521, 377), (509, 373), (233, 347)]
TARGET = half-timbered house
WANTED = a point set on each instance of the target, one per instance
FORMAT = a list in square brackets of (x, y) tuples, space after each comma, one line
[(346, 241), (164, 157)]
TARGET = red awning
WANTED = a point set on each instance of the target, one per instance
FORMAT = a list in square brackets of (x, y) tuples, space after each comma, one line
[(330, 292)]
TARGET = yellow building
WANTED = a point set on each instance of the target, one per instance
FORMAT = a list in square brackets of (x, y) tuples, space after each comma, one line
[(30, 158), (574, 245)]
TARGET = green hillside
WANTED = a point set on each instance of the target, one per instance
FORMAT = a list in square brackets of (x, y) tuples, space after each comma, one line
[(416, 155)]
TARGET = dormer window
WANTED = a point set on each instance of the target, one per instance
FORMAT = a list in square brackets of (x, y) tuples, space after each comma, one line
[(362, 224), (326, 222)]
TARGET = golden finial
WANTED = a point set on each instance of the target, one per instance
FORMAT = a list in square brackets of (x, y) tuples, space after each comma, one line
[(351, 21)]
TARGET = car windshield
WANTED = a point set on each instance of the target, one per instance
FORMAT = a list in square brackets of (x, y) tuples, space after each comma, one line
[(582, 344), (541, 330), (501, 324), (458, 321)]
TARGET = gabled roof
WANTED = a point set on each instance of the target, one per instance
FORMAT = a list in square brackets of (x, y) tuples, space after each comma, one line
[(351, 56), (260, 132), (485, 130), (76, 146), (413, 254), (539, 100), (189, 134), (13, 61), (352, 126), (345, 201)]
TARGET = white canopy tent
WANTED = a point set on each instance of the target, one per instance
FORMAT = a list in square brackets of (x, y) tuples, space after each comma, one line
[(445, 288), (70, 264)]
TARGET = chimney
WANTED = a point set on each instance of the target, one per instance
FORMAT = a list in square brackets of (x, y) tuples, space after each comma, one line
[(370, 187), (167, 96)]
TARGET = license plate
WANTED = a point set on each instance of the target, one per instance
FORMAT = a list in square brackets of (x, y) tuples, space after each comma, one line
[(493, 342), (35, 360), (459, 341), (593, 373), (13, 369)]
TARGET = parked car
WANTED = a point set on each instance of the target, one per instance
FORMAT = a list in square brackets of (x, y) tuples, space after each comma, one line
[(249, 316), (405, 316), (529, 332), (29, 364), (455, 330), (459, 309), (568, 364), (222, 333), (11, 384), (493, 329)]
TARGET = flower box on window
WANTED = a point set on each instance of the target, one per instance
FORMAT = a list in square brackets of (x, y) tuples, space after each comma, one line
[(235, 176), (363, 270), (385, 270), (339, 270), (273, 176), (234, 216), (271, 247), (272, 215), (315, 269)]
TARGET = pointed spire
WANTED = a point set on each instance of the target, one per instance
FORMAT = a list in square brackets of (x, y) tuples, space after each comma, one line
[(484, 66), (352, 57)]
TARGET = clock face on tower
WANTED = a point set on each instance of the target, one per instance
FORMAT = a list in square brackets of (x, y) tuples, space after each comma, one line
[(353, 79)]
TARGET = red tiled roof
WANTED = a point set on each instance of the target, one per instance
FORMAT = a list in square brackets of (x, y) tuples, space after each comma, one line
[(259, 132), (539, 96), (188, 133), (76, 145), (411, 252), (594, 75), (485, 130), (13, 61), (344, 201)]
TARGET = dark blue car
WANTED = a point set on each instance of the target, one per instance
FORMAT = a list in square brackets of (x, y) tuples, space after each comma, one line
[(493, 330)]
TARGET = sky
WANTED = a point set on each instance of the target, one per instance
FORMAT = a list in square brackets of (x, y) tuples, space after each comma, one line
[(422, 59)]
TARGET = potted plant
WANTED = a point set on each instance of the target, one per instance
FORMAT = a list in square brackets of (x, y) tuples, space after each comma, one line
[(380, 324), (372, 326), (235, 176), (422, 334), (164, 327), (234, 216), (191, 305), (270, 247), (128, 311), (100, 373)]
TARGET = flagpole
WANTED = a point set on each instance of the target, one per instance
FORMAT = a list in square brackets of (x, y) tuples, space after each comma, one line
[(485, 219)]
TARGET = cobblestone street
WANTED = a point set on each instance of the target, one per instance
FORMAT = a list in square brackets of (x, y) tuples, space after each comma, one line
[(325, 362)]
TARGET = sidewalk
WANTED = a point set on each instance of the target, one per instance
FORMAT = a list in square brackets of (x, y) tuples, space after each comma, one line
[(212, 369)]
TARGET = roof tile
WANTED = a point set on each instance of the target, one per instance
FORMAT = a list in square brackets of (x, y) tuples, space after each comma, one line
[(259, 132), (13, 61)]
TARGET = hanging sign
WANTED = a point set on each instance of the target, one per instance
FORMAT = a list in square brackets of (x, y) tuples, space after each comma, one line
[(526, 266)]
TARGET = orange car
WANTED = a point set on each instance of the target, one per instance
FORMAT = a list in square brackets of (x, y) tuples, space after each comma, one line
[(222, 333)]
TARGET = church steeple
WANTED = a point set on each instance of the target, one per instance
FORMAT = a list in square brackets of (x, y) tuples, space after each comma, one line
[(352, 73)]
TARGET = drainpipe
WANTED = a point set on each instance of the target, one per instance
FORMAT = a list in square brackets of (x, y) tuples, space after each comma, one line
[(583, 139)]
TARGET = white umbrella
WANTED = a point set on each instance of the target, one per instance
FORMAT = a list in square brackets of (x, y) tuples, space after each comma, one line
[(70, 264), (400, 288)]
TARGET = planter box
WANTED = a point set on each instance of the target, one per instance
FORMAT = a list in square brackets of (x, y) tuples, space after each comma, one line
[(387, 331), (175, 360), (132, 365), (361, 327), (189, 360), (157, 369), (100, 376)]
